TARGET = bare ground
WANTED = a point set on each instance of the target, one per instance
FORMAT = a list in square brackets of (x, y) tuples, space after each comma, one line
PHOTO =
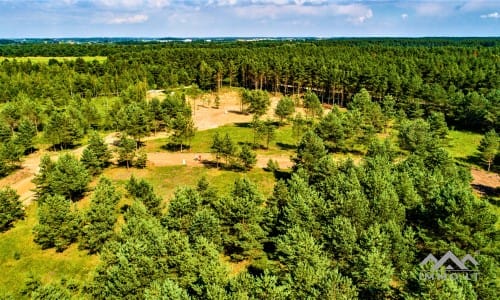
[(485, 182), (204, 118)]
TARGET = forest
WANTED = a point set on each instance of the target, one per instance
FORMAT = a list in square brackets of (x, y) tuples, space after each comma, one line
[(324, 169)]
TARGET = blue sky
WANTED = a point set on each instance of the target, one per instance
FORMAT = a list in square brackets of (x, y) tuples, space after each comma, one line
[(260, 18)]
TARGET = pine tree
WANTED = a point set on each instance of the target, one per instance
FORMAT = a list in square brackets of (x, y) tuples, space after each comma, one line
[(309, 151), (284, 109), (69, 177), (126, 151), (488, 147), (11, 209), (227, 148), (216, 147), (248, 157), (100, 149), (143, 191), (99, 221), (57, 224), (91, 162), (26, 132)]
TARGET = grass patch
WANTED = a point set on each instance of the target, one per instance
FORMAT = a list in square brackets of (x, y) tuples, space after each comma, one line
[(166, 180), (45, 59), (283, 143), (48, 265), (463, 144)]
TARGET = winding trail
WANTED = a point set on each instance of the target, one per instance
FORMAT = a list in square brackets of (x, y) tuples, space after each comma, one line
[(204, 118)]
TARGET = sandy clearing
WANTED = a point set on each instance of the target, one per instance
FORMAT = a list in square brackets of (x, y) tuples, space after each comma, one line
[(162, 159)]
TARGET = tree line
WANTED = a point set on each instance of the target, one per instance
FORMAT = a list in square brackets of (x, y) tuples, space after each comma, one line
[(459, 78)]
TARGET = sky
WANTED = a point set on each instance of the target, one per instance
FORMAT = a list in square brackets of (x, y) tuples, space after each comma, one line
[(248, 18)]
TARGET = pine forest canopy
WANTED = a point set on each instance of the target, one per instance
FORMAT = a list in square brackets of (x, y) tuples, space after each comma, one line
[(331, 228), (459, 77)]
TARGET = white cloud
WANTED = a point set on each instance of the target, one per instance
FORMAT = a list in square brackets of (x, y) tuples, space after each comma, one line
[(132, 3), (493, 15), (222, 2), (475, 5), (404, 16), (432, 9), (134, 19), (355, 13)]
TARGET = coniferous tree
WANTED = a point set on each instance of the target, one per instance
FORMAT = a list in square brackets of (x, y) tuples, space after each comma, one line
[(488, 147), (11, 209), (309, 151), (248, 157), (25, 134), (216, 147), (57, 223), (69, 177), (99, 220), (143, 191), (284, 109), (126, 151)]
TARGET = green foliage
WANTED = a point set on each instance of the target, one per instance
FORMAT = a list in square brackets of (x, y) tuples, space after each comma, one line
[(312, 105), (488, 147), (63, 129), (241, 215), (51, 292), (142, 159), (26, 132), (285, 108), (309, 151), (258, 101), (248, 157), (414, 135), (97, 155), (57, 223), (133, 120), (143, 191), (66, 177), (97, 225), (265, 130), (167, 289), (438, 125), (126, 151), (11, 209)]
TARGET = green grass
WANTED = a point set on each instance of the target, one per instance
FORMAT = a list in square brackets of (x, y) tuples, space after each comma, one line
[(283, 143), (462, 144), (166, 180), (47, 265), (45, 59)]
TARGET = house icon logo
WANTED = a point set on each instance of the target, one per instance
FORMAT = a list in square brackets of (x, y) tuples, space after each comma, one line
[(453, 267)]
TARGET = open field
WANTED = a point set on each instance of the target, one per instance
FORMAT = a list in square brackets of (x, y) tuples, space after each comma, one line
[(45, 59), (463, 144), (20, 257)]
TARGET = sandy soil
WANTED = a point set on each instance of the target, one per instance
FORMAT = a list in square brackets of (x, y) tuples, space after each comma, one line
[(485, 182), (204, 118), (161, 159)]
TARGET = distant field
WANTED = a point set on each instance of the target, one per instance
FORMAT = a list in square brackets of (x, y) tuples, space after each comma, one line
[(45, 59)]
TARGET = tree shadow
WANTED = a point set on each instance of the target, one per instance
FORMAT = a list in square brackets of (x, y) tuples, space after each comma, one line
[(64, 146), (472, 159), (285, 146), (282, 174), (243, 125), (175, 147), (238, 112), (30, 150), (487, 190)]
